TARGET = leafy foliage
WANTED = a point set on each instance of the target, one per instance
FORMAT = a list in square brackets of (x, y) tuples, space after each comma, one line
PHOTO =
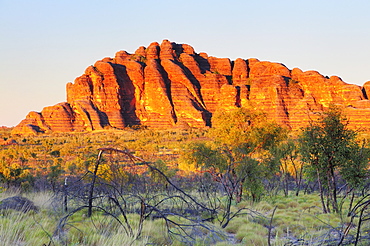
[(194, 182), (329, 147), (241, 142)]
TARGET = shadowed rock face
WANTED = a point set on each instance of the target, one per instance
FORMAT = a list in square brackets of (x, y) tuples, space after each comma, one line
[(170, 85)]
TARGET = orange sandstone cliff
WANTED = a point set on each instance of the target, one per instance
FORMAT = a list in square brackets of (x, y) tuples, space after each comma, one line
[(170, 85)]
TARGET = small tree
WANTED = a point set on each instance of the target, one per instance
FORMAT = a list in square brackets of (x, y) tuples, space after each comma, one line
[(241, 140), (286, 156), (330, 148)]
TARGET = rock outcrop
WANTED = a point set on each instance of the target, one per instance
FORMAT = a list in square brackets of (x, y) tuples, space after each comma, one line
[(170, 85), (18, 203)]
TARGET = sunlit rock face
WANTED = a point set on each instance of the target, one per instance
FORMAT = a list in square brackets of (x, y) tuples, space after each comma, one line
[(170, 85)]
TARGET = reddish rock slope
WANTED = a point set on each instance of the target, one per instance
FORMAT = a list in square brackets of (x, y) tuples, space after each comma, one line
[(170, 85)]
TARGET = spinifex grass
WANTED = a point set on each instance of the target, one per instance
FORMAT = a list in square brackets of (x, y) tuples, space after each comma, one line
[(297, 218), (31, 228)]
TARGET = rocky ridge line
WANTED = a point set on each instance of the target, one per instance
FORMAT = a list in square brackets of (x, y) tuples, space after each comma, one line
[(170, 85)]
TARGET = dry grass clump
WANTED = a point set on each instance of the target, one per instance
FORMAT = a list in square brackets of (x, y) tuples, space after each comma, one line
[(264, 206), (292, 204), (251, 227), (18, 228), (296, 220), (228, 244), (295, 217), (155, 232), (235, 224), (37, 228)]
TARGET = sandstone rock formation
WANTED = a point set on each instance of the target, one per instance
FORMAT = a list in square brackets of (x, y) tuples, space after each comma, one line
[(170, 85)]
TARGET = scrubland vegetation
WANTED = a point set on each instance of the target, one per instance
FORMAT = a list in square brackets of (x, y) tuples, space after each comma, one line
[(245, 181)]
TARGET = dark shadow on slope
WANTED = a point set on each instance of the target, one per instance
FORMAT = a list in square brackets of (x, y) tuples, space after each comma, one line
[(127, 95)]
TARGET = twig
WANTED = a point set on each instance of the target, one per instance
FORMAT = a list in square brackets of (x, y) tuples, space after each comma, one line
[(270, 226)]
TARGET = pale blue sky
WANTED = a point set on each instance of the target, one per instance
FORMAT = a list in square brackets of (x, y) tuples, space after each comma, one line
[(45, 44)]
